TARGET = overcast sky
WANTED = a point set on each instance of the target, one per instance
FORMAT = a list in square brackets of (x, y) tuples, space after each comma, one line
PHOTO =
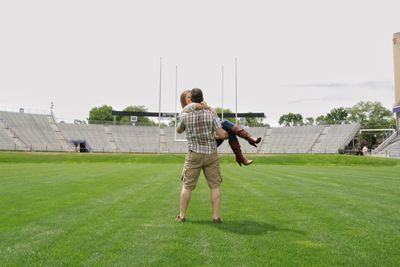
[(293, 56)]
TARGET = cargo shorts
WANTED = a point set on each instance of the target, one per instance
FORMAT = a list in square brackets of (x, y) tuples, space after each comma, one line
[(194, 163)]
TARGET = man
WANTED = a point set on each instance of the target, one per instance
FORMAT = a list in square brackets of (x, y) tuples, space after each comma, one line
[(201, 127)]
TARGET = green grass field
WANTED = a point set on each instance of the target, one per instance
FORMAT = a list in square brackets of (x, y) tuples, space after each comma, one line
[(119, 210)]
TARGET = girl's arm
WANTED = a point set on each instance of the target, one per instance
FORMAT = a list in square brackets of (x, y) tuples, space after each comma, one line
[(198, 106), (192, 107), (205, 106)]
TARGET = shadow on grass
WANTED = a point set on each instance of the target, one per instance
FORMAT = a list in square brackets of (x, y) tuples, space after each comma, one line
[(246, 227)]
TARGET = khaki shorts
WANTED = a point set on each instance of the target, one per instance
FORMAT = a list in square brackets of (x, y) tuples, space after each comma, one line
[(194, 163)]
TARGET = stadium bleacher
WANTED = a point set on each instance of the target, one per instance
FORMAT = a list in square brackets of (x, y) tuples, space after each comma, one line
[(135, 138), (94, 135), (22, 131), (392, 148), (8, 139), (35, 131), (334, 137)]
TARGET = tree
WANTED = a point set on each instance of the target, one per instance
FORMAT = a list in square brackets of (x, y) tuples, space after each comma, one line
[(320, 120), (171, 123), (291, 119), (335, 116), (309, 121), (226, 110), (255, 122), (100, 114), (372, 115), (140, 119)]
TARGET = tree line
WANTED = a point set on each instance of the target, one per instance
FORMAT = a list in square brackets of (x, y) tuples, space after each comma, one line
[(371, 115), (103, 114)]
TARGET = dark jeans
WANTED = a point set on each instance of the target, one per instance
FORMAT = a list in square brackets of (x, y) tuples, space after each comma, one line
[(227, 126)]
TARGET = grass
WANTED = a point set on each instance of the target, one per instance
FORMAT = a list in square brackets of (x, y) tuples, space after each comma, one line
[(118, 210)]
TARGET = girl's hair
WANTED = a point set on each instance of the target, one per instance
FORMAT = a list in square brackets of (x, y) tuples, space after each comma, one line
[(183, 97)]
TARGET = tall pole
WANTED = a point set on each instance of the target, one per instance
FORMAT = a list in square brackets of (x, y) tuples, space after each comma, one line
[(236, 91), (222, 112), (396, 60), (51, 109), (159, 110), (176, 97)]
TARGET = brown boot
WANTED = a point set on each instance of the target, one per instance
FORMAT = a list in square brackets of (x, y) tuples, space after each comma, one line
[(246, 135), (238, 153)]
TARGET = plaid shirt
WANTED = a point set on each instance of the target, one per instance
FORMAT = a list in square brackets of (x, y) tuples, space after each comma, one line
[(200, 128)]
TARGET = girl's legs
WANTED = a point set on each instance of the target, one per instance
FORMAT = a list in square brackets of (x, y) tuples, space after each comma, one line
[(234, 144), (219, 142), (236, 130)]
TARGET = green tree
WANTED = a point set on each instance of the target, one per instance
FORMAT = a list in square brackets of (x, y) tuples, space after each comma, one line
[(309, 121), (171, 123), (335, 116), (372, 115), (320, 120), (141, 120), (100, 114), (255, 122), (291, 119), (226, 110)]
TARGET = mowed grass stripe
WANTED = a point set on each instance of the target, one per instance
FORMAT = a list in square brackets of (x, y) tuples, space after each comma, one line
[(282, 220), (309, 186), (61, 186), (336, 180), (350, 215)]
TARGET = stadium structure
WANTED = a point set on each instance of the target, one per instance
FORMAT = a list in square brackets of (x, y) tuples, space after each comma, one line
[(20, 131), (36, 132)]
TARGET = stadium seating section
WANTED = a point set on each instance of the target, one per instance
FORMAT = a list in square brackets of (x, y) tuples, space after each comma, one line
[(391, 148), (33, 132)]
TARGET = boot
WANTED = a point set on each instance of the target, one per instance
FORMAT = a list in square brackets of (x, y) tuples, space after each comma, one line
[(246, 135), (234, 143)]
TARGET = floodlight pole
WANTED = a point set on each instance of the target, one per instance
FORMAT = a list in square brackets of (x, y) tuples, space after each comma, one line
[(51, 109), (236, 91), (222, 111), (176, 97), (159, 110), (396, 61)]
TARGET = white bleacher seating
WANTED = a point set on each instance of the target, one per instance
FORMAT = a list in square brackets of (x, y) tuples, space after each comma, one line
[(393, 148), (94, 135), (142, 139), (42, 134), (34, 130)]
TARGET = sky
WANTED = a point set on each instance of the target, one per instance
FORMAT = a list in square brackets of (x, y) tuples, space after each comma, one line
[(305, 57)]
